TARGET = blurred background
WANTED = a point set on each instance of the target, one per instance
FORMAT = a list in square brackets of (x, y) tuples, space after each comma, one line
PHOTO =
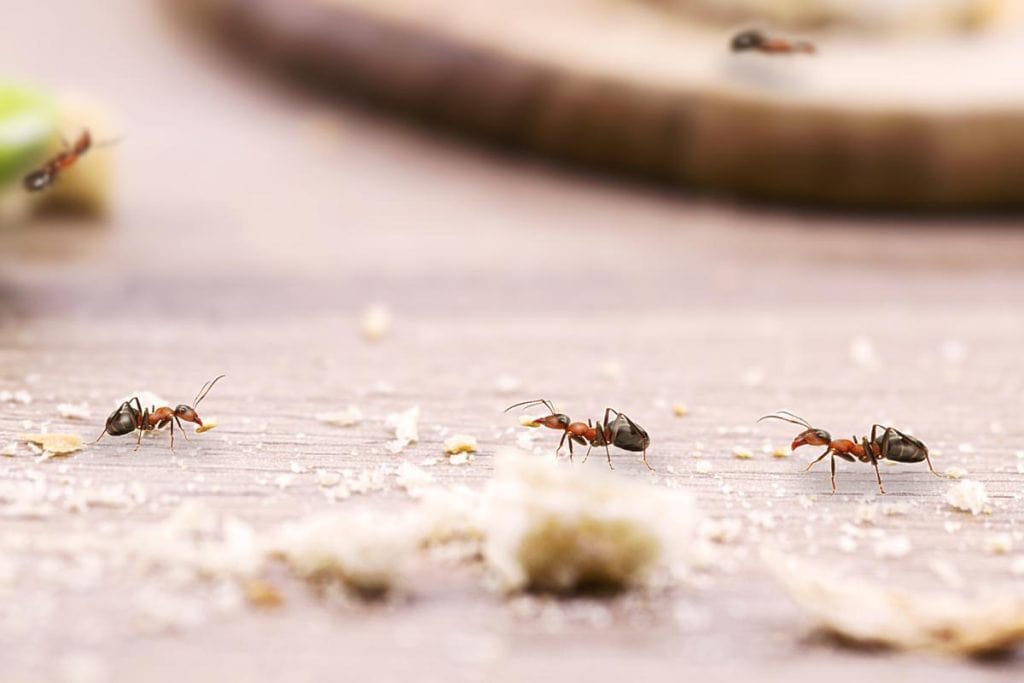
[(594, 201)]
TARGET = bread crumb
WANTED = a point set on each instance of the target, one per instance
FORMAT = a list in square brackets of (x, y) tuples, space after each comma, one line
[(376, 322), (74, 411), (873, 614), (955, 473), (460, 459), (527, 421), (366, 552), (680, 410), (297, 468), (283, 481), (264, 594), (560, 529), (460, 443), (782, 452), (54, 444), (10, 450), (742, 453), (999, 544), (405, 426), (348, 417), (412, 479), (326, 479), (703, 466), (208, 424), (968, 495)]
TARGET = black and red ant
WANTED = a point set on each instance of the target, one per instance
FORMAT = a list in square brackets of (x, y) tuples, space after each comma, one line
[(890, 444), (621, 431), (47, 174), (130, 416), (755, 40)]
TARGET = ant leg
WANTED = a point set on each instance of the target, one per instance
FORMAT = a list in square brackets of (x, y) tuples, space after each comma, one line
[(561, 443), (604, 436), (589, 448), (609, 454), (927, 459), (172, 435), (874, 460), (833, 474), (182, 428), (644, 457), (570, 450), (819, 459), (105, 431), (138, 441)]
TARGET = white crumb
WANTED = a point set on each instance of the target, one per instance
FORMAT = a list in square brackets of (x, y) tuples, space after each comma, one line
[(742, 453), (367, 552), (558, 529), (968, 495), (866, 513), (892, 547), (405, 427), (376, 322), (283, 481), (348, 417), (999, 544), (297, 468), (805, 502), (952, 527), (955, 472), (847, 544), (524, 440), (460, 443), (326, 478), (460, 459), (703, 466), (10, 450), (74, 411), (506, 385), (412, 479)]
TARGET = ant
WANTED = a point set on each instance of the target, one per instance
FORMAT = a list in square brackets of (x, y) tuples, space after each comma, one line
[(621, 431), (755, 40), (47, 174), (890, 444), (128, 417)]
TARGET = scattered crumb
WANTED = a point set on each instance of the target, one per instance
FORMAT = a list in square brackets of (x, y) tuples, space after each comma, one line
[(742, 453), (460, 459), (955, 473), (261, 593), (559, 529), (527, 421), (460, 443), (805, 502), (54, 444), (703, 466), (297, 468), (412, 479), (847, 544), (507, 385), (74, 411), (952, 527), (367, 552), (868, 613), (892, 547), (376, 322), (968, 495), (283, 481), (405, 426), (10, 450), (680, 410), (782, 452), (348, 417), (327, 479), (208, 424), (999, 544)]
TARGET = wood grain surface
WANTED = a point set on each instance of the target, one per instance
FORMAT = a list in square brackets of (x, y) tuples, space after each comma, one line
[(254, 224)]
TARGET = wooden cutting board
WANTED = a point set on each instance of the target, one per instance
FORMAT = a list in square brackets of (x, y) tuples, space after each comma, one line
[(887, 117)]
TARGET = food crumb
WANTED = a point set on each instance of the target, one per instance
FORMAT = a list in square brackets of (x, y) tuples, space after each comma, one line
[(680, 410), (348, 417), (460, 443), (54, 444), (327, 479), (376, 322), (264, 594), (742, 453), (968, 495), (208, 424), (10, 450), (460, 459), (283, 481), (703, 466), (405, 426), (782, 452), (74, 411), (999, 544), (297, 468), (955, 472)]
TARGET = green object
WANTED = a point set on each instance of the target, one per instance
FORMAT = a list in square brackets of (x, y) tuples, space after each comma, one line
[(28, 123)]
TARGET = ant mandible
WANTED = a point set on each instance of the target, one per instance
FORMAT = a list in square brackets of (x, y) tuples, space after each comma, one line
[(47, 174), (755, 40), (890, 444), (130, 416), (621, 431)]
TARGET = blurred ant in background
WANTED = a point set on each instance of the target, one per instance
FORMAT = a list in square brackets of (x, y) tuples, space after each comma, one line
[(47, 174), (885, 443), (130, 416), (755, 40), (619, 431)]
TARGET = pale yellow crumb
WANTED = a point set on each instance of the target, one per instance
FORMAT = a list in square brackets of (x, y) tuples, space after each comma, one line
[(376, 322), (261, 593), (680, 410), (528, 421), (782, 452), (955, 472), (742, 453), (54, 444), (460, 443), (208, 424)]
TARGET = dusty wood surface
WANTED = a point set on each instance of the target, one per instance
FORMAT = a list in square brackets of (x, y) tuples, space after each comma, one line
[(255, 225), (872, 121)]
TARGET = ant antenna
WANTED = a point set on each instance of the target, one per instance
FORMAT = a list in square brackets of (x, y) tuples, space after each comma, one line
[(526, 404), (789, 417), (205, 390)]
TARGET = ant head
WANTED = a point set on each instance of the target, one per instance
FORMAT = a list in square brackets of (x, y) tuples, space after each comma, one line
[(38, 180), (811, 437), (188, 414), (553, 421), (747, 40)]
